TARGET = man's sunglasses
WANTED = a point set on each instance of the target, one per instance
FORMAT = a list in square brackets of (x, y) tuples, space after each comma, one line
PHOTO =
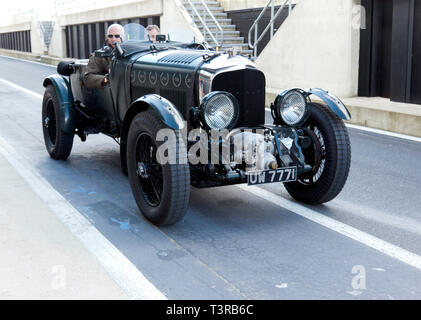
[(117, 36)]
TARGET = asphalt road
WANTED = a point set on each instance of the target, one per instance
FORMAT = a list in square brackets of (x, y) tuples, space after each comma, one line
[(238, 242)]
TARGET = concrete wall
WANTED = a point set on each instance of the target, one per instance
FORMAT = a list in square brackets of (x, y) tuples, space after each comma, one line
[(37, 43), (176, 17), (141, 8), (316, 46), (58, 42), (247, 4), (173, 17), (16, 27)]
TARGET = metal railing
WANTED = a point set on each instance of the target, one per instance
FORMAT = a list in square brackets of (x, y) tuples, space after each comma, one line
[(205, 25), (270, 25)]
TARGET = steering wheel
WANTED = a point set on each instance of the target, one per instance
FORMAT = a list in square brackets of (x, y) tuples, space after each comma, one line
[(197, 46)]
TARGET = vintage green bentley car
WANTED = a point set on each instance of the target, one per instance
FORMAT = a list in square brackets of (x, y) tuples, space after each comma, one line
[(187, 115)]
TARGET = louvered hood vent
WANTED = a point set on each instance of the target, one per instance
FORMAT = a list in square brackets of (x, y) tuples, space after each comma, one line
[(180, 58)]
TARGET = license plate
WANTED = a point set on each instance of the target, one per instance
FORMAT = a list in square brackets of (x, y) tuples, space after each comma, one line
[(287, 174)]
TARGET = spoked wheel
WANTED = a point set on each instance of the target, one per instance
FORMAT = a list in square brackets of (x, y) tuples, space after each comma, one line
[(149, 171), (161, 190), (329, 155), (58, 143), (315, 155)]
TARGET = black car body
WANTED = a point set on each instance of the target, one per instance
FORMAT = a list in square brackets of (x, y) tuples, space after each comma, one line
[(186, 86)]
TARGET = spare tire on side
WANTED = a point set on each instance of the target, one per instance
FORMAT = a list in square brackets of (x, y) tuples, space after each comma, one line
[(65, 68)]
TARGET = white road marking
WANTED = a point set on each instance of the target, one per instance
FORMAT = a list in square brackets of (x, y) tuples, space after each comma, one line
[(378, 131), (406, 224), (386, 133), (124, 273), (18, 87), (380, 245)]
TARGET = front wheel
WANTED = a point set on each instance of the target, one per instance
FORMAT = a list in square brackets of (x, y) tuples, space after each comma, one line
[(329, 155), (58, 143), (161, 190)]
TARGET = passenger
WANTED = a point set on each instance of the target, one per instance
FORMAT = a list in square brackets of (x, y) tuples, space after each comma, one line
[(98, 67), (153, 31)]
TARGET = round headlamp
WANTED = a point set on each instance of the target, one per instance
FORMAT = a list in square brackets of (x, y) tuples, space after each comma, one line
[(291, 107), (219, 110)]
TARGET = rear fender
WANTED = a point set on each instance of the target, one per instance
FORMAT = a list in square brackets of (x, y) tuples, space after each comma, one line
[(65, 99)]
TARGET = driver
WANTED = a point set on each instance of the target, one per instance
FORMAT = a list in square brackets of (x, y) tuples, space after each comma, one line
[(98, 67)]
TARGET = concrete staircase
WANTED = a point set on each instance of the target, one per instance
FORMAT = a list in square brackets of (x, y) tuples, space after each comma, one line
[(232, 38)]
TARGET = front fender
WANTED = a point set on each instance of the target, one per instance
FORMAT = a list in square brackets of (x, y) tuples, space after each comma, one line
[(165, 109), (333, 102), (65, 99)]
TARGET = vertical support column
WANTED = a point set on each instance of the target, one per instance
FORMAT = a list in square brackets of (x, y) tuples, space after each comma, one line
[(75, 43), (67, 35), (20, 46), (402, 40), (410, 49), (91, 37), (102, 34), (86, 52), (416, 56), (29, 41), (81, 40), (98, 39), (156, 20)]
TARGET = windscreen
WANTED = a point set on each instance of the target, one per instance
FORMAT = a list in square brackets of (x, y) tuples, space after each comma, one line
[(135, 32), (181, 35)]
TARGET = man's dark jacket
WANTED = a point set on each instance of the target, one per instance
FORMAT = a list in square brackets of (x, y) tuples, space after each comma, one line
[(98, 67)]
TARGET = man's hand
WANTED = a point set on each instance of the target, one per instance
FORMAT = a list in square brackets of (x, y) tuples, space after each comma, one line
[(105, 80)]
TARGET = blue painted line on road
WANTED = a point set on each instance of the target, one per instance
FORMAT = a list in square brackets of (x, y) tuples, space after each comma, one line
[(124, 225)]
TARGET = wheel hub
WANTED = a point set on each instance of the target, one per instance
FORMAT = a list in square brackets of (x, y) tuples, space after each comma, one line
[(142, 170), (46, 122)]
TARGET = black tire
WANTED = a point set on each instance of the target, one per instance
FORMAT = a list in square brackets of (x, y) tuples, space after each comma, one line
[(162, 192), (58, 143), (330, 156)]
